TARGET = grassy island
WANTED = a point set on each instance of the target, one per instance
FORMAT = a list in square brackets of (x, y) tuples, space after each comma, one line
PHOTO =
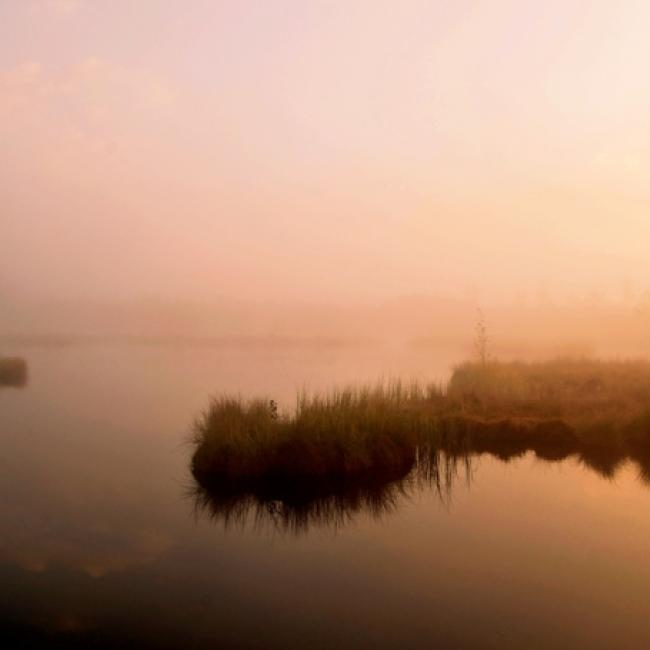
[(353, 440), (13, 371), (347, 433)]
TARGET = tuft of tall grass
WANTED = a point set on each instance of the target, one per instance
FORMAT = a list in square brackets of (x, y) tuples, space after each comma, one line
[(13, 371), (349, 431)]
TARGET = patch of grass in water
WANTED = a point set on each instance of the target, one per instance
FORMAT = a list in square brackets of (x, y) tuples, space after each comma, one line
[(347, 432), (344, 449)]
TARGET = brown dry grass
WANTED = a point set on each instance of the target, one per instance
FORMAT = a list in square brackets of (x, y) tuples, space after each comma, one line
[(596, 410)]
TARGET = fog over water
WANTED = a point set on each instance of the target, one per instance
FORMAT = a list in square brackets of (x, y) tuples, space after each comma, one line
[(101, 543), (254, 198)]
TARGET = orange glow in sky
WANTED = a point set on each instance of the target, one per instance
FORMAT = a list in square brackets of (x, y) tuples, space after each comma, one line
[(329, 148)]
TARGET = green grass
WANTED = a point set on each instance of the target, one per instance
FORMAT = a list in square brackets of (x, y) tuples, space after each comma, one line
[(13, 371)]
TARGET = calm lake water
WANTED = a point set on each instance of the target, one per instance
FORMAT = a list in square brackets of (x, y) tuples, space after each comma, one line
[(101, 543)]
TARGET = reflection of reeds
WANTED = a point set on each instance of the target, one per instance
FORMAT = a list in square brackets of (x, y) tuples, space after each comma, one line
[(296, 506), (13, 372), (333, 509), (361, 449)]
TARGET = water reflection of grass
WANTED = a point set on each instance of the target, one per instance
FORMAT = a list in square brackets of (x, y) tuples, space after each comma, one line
[(13, 371), (297, 505), (358, 448)]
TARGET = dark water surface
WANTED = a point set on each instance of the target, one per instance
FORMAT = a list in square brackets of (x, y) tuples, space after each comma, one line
[(102, 545)]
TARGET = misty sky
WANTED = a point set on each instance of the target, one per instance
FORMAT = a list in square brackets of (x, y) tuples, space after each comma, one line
[(323, 149)]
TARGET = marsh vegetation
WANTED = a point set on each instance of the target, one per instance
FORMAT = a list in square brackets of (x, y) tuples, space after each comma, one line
[(354, 449)]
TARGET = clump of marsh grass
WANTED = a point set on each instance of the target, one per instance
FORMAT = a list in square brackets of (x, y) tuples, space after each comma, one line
[(13, 371), (345, 432), (337, 454)]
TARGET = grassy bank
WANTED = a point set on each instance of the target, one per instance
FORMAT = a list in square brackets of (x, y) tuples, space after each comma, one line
[(356, 439), (600, 402), (13, 371), (582, 392), (597, 411)]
